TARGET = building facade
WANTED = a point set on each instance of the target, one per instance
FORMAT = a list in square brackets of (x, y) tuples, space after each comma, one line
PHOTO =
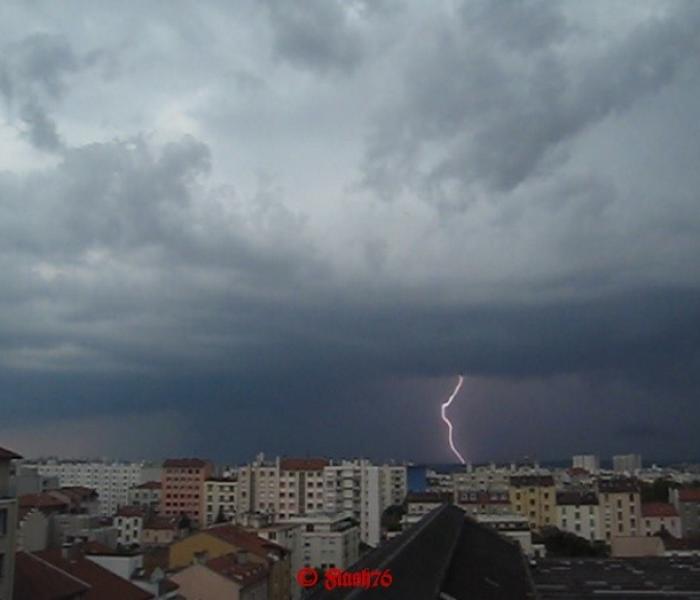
[(620, 508), (8, 525), (660, 517), (219, 500), (579, 513), (182, 488), (534, 497), (328, 540)]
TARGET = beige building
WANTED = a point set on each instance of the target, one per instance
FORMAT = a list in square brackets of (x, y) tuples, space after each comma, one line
[(219, 499), (620, 508), (159, 531), (8, 525), (221, 540), (229, 576), (579, 513), (534, 497)]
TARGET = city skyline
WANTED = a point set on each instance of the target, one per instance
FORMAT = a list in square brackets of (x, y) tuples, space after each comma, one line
[(288, 227)]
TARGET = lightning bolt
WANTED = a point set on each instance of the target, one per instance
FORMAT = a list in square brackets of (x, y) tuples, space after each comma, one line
[(449, 424)]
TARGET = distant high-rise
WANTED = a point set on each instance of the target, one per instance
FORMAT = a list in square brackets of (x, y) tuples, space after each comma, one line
[(627, 463), (588, 462)]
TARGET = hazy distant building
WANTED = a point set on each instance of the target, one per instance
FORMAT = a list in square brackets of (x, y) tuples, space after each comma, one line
[(146, 494), (112, 480), (588, 462), (627, 463)]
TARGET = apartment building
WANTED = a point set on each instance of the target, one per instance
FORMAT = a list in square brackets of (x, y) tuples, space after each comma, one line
[(620, 508), (328, 540), (687, 503), (182, 491), (301, 486), (488, 502), (586, 462), (534, 497), (8, 525), (419, 504), (364, 490), (290, 487), (112, 480), (219, 500), (578, 512), (660, 517)]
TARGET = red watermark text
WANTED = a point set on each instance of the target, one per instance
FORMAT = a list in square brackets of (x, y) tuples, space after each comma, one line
[(337, 578)]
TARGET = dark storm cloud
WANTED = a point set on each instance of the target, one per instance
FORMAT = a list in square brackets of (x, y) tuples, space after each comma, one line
[(196, 249), (500, 96)]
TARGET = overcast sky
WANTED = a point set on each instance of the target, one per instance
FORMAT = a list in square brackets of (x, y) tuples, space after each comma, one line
[(283, 226)]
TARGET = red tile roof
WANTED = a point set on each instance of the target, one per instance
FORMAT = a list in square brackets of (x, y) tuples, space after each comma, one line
[(231, 567), (36, 579), (150, 485), (689, 494), (131, 511), (6, 454), (158, 522), (303, 464), (42, 501), (239, 538), (185, 463), (658, 509), (104, 585)]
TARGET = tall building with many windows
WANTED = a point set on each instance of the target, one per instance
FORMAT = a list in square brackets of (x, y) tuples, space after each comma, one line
[(182, 488)]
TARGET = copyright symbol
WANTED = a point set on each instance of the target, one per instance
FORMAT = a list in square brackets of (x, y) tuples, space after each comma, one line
[(307, 577)]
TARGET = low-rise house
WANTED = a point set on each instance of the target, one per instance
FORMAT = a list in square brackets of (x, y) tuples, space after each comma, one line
[(220, 540), (658, 517), (230, 576), (159, 531), (129, 523)]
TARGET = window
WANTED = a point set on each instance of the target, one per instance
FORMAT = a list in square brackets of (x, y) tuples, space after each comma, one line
[(3, 521)]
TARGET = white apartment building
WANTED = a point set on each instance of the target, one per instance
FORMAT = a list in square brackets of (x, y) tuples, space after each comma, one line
[(111, 480), (8, 525), (587, 462), (579, 513), (290, 487), (364, 490), (219, 499), (515, 527), (328, 540)]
